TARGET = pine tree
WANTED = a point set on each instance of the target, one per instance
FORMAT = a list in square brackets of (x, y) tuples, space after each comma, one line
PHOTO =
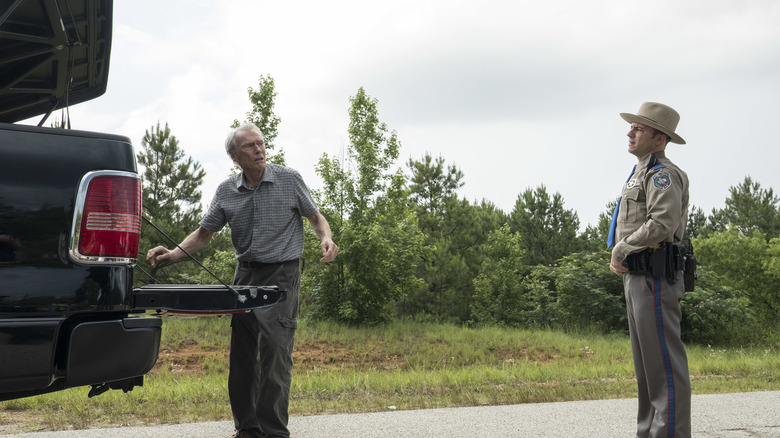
[(171, 180), (171, 200)]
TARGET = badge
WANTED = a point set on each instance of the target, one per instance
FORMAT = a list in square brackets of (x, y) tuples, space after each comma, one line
[(662, 181), (631, 183)]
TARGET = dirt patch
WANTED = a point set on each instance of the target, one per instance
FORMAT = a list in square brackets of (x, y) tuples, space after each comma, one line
[(329, 355), (190, 358)]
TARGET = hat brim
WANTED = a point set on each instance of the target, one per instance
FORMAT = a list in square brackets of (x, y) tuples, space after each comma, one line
[(673, 137)]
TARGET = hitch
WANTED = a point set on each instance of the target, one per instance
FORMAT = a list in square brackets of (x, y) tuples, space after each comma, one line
[(125, 385)]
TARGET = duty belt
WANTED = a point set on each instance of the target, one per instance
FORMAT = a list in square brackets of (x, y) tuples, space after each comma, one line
[(662, 259)]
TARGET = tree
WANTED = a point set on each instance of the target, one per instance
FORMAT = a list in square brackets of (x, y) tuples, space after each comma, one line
[(171, 195), (697, 223), (548, 231), (750, 208), (365, 204), (583, 293), (595, 237), (262, 115), (746, 264), (432, 192), (455, 233), (171, 181), (431, 187), (715, 314), (499, 297)]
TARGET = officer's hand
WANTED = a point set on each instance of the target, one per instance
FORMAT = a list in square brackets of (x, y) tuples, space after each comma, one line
[(329, 250), (158, 256), (617, 267)]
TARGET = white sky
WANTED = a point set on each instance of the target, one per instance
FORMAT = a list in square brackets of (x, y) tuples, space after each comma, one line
[(515, 93)]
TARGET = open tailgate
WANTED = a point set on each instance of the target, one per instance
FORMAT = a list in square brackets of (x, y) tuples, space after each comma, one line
[(55, 53), (204, 299)]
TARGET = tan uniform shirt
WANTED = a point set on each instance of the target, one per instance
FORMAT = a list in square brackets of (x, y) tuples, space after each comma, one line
[(653, 207)]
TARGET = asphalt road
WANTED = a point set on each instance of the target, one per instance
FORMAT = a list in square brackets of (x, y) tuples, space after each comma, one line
[(755, 414)]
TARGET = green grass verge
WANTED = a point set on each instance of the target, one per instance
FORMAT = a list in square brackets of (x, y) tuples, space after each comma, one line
[(406, 365)]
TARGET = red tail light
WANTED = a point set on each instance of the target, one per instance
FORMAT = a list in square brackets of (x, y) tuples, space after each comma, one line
[(107, 226)]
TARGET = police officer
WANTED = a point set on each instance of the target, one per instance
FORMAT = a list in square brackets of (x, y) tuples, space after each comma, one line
[(649, 221)]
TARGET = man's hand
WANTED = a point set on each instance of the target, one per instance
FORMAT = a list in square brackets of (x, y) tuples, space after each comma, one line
[(320, 226), (162, 256), (617, 267), (158, 256), (329, 250)]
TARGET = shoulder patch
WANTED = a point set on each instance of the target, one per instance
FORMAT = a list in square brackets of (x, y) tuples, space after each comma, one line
[(662, 181)]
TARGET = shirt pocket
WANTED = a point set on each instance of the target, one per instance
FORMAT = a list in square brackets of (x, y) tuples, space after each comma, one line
[(634, 206)]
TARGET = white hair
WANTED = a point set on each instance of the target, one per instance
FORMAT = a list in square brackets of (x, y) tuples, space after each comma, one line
[(230, 142)]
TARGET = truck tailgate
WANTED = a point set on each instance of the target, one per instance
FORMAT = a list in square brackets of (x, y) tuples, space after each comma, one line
[(204, 299)]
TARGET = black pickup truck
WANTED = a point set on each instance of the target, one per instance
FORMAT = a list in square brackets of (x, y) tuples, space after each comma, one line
[(70, 218)]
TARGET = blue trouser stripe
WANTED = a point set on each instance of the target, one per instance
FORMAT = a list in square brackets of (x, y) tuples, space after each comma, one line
[(659, 323)]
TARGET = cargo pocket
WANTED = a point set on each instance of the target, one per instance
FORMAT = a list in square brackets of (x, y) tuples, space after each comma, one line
[(288, 322)]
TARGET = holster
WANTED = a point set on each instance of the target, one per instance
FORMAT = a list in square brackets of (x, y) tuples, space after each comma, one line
[(689, 267)]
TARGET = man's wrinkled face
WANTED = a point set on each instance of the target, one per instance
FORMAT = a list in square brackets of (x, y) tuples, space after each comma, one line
[(250, 151)]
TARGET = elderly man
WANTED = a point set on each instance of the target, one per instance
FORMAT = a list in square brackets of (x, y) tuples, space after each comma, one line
[(264, 206), (647, 228)]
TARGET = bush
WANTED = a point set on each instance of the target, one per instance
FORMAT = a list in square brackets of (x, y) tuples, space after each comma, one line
[(588, 294), (717, 315)]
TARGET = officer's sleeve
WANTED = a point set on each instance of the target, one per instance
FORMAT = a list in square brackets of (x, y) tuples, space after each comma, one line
[(664, 190)]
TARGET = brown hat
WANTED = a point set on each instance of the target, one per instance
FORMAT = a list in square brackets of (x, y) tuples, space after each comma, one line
[(657, 116)]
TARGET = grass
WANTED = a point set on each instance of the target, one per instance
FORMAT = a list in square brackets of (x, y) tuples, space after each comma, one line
[(340, 369)]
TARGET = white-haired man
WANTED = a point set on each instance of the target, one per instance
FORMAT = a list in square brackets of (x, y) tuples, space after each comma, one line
[(264, 205)]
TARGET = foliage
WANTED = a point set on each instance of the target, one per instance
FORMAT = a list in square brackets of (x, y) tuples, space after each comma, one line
[(171, 180), (388, 250), (595, 237), (749, 208), (548, 231), (697, 223), (223, 264), (379, 236), (578, 293), (587, 294), (455, 232), (431, 187), (745, 264), (714, 314), (171, 197), (412, 248), (499, 296), (263, 116)]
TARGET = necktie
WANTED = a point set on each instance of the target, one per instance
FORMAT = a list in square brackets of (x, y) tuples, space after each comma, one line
[(613, 224)]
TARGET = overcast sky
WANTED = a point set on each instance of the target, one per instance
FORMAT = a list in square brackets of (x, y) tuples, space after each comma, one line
[(517, 94)]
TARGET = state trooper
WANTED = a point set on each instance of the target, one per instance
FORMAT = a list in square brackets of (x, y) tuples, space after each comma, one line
[(647, 229)]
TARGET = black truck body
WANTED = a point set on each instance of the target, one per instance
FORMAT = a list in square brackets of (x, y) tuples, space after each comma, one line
[(70, 218)]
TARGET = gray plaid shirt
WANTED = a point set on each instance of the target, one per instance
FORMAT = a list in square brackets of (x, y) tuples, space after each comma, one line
[(266, 224)]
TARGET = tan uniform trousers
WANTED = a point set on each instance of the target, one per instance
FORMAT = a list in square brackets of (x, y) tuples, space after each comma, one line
[(660, 360)]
